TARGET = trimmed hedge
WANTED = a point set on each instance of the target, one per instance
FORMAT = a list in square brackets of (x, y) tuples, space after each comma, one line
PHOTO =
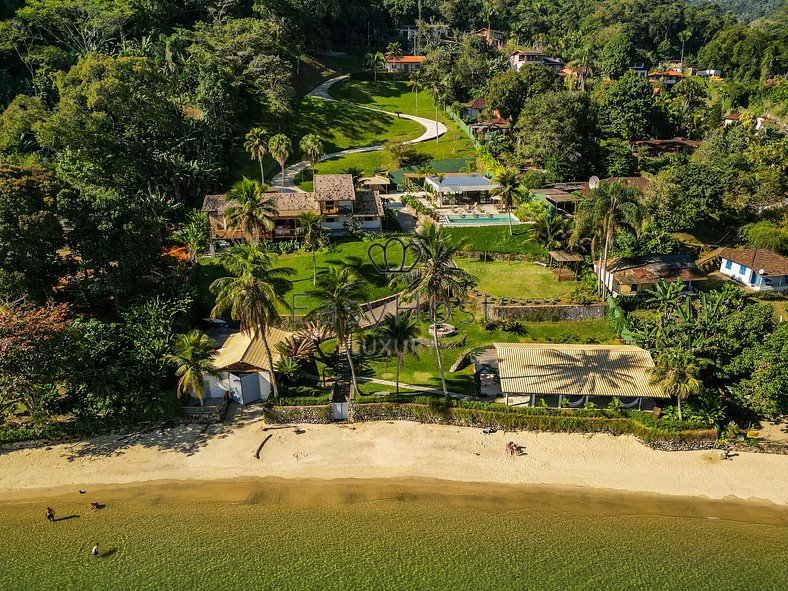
[(425, 409), (301, 400)]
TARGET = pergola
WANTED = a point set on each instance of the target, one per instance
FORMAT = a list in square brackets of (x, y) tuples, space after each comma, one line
[(562, 257)]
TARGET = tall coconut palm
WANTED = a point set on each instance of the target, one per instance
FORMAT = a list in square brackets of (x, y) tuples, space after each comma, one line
[(608, 208), (341, 290), (253, 213), (251, 293), (312, 150), (508, 191), (583, 65), (676, 371), (435, 277), (280, 148), (552, 229), (192, 357), (310, 226), (257, 146), (397, 334), (375, 61), (684, 36), (415, 83)]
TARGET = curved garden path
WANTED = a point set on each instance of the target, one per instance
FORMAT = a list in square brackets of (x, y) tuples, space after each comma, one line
[(431, 131)]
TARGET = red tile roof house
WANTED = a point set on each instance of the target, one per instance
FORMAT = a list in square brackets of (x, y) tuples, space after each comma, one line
[(474, 108), (668, 77), (404, 64), (758, 269)]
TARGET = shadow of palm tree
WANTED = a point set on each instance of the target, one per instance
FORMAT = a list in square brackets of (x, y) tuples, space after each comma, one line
[(583, 372)]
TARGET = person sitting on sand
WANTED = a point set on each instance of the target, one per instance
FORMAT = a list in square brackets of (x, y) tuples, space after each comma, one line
[(94, 506), (50, 514), (95, 551)]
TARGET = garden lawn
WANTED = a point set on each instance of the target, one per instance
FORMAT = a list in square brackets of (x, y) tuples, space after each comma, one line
[(496, 239), (342, 126), (422, 369), (346, 251), (516, 279)]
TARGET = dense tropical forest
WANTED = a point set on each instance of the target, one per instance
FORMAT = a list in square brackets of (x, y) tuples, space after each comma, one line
[(118, 116)]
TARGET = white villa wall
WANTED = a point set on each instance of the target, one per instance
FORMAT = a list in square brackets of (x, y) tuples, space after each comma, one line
[(749, 278)]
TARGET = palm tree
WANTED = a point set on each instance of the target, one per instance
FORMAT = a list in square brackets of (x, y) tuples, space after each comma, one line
[(280, 147), (252, 212), (192, 357), (256, 145), (355, 172), (374, 61), (551, 228), (509, 191), (393, 49), (341, 290), (435, 277), (252, 292), (584, 65), (310, 226), (312, 149), (317, 333), (684, 36), (415, 83), (606, 209), (676, 371), (397, 333)]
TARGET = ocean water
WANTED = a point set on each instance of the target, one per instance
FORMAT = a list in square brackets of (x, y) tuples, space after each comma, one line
[(388, 535)]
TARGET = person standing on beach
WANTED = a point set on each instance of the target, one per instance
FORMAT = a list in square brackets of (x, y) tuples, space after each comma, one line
[(50, 514), (95, 551)]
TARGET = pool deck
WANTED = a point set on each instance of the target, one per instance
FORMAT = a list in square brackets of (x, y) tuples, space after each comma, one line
[(482, 215)]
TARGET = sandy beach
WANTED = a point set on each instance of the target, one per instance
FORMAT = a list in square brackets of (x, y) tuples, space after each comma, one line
[(388, 450)]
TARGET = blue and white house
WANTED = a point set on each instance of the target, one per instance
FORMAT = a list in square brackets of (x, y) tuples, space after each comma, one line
[(758, 269)]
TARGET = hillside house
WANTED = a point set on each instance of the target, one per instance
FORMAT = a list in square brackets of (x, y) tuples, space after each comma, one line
[(335, 198), (493, 38), (404, 64), (758, 269), (522, 57), (637, 274)]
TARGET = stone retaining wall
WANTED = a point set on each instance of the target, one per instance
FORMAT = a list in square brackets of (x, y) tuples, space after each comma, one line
[(299, 414), (547, 313)]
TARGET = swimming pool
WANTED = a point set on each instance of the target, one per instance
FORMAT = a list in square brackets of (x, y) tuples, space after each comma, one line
[(482, 219)]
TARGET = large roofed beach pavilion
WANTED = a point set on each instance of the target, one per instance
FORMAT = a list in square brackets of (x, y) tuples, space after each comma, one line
[(577, 374)]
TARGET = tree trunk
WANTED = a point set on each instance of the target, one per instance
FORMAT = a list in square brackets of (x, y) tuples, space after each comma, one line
[(604, 262), (436, 118), (314, 266), (399, 362), (678, 398), (274, 387), (440, 361), (282, 164), (417, 99), (509, 213), (262, 172), (354, 385)]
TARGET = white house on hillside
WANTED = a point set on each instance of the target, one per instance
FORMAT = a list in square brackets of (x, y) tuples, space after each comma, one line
[(758, 269), (522, 57)]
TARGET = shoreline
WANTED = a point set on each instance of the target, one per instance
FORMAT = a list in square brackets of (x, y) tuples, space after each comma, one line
[(390, 451), (310, 493)]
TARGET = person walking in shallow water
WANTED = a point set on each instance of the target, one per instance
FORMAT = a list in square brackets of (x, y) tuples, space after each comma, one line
[(50, 514), (95, 551)]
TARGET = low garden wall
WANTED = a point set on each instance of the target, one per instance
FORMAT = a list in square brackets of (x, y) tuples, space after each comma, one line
[(567, 421), (206, 415), (547, 313), (299, 414)]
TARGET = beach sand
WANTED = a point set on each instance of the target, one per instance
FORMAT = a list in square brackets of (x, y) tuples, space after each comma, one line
[(385, 450)]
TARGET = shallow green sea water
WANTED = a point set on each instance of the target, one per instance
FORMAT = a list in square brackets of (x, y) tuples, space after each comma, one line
[(354, 535)]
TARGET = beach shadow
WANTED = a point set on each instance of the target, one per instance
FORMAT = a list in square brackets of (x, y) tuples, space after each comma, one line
[(108, 553), (64, 518)]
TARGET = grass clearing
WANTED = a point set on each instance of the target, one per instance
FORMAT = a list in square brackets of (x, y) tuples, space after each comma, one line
[(496, 239), (518, 279)]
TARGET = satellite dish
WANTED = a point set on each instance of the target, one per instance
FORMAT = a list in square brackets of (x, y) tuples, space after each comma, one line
[(761, 271), (593, 182)]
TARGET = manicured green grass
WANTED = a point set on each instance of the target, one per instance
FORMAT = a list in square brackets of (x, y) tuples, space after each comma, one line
[(348, 251), (496, 239), (516, 279), (422, 368), (342, 126)]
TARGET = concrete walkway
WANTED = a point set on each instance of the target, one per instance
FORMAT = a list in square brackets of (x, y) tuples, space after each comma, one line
[(431, 131)]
